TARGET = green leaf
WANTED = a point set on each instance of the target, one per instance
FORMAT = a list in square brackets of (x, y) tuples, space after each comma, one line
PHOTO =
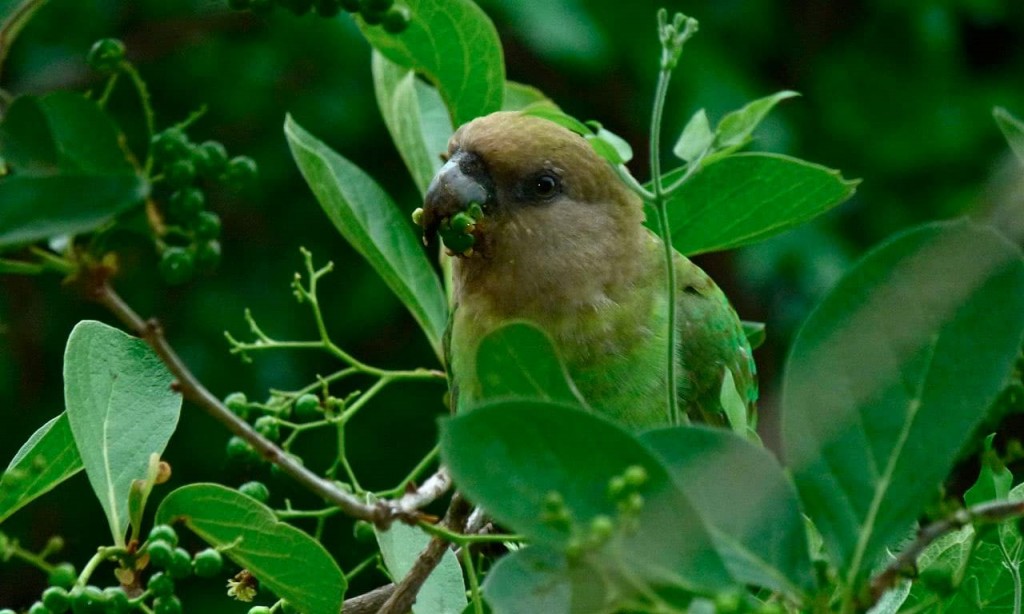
[(993, 482), (754, 332), (740, 491), (745, 198), (121, 407), (736, 127), (138, 495), (444, 591), (454, 44), (519, 96), (514, 457), (696, 138), (402, 98), (540, 579), (948, 556), (733, 405), (14, 14), (877, 397), (370, 221), (608, 145), (559, 117), (48, 458), (518, 360), (1013, 130), (284, 559), (892, 599)]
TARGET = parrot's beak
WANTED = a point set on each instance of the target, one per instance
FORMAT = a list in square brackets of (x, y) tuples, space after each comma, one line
[(461, 182)]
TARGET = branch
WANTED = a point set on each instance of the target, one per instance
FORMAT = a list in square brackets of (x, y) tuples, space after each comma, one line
[(368, 603), (993, 511), (381, 514), (435, 486), (404, 596)]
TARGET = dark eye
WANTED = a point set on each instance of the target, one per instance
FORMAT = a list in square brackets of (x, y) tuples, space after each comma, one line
[(545, 186)]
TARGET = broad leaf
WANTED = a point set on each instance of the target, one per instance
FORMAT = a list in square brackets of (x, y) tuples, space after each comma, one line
[(371, 222), (745, 198), (735, 128), (1013, 130), (993, 481), (554, 473), (878, 399), (741, 492), (454, 44), (540, 579), (48, 458), (519, 96), (519, 360), (284, 559), (696, 138), (444, 591), (121, 408)]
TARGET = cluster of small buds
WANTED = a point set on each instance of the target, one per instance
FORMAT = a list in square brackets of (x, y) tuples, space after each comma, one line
[(394, 18)]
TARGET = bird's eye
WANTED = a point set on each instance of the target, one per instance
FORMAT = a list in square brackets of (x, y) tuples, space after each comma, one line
[(545, 186)]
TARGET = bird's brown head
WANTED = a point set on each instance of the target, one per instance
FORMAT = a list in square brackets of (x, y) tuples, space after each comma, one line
[(517, 168)]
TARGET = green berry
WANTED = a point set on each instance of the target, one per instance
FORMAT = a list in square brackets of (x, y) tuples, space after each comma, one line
[(210, 158), (635, 476), (327, 8), (602, 527), (269, 427), (260, 609), (238, 404), (256, 490), (240, 451), (63, 575), (238, 5), (56, 599), (207, 563), (160, 553), (372, 18), (180, 173), (38, 608), (167, 604), (396, 19), (208, 255), (161, 584), (117, 600), (363, 531), (106, 55), (87, 600), (185, 204), (307, 407), (164, 533), (241, 173), (275, 469), (181, 564), (169, 145), (177, 265)]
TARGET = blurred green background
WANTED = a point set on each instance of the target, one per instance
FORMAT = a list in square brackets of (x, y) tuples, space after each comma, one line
[(896, 93)]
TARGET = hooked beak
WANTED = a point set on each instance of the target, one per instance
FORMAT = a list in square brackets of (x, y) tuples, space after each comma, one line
[(462, 181)]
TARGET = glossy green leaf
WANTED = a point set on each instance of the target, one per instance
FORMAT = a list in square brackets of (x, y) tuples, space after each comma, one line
[(1013, 130), (745, 198), (401, 99), (513, 457), (371, 222), (540, 579), (946, 557), (993, 482), (519, 96), (740, 491), (870, 449), (14, 14), (696, 138), (518, 360), (285, 560), (559, 117), (892, 600), (48, 458), (735, 128), (444, 591), (454, 44), (121, 408)]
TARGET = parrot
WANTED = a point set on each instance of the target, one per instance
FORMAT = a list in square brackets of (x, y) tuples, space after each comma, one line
[(556, 239)]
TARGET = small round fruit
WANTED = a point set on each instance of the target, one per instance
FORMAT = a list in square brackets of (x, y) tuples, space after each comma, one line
[(208, 255), (88, 600), (256, 490), (269, 427), (160, 553), (39, 608), (240, 451), (363, 531), (241, 173), (207, 563), (372, 18), (181, 564), (185, 204), (238, 404), (169, 145), (167, 604), (396, 19), (177, 265), (210, 158), (161, 584), (117, 600), (180, 173), (307, 407), (164, 533), (56, 599), (106, 55), (63, 575)]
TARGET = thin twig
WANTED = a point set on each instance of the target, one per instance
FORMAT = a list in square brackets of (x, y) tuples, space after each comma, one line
[(368, 603), (906, 561), (432, 489)]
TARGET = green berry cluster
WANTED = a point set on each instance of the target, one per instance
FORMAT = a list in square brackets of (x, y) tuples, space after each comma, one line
[(191, 234), (266, 419), (394, 18), (175, 564)]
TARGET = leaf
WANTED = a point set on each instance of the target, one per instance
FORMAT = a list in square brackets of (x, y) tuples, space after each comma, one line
[(121, 408), (139, 493), (14, 14), (1012, 128), (696, 138), (514, 457), (745, 198), (519, 360), (401, 104), (444, 591), (877, 397), (608, 145), (735, 128), (539, 579), (284, 559), (741, 492), (732, 404), (370, 221), (754, 332), (48, 458), (993, 482), (454, 44), (892, 599), (559, 117), (519, 96)]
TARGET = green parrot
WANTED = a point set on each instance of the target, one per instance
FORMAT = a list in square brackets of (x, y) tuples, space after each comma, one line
[(558, 240)]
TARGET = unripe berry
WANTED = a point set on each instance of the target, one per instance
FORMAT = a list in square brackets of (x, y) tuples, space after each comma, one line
[(181, 564), (256, 490), (396, 19), (39, 608), (268, 427), (163, 533), (56, 599), (161, 584), (63, 575), (208, 255), (307, 407), (117, 600), (240, 451), (169, 145), (207, 563), (210, 158), (241, 173), (180, 173), (106, 55), (160, 553), (177, 265), (186, 203), (363, 532), (238, 404), (168, 604)]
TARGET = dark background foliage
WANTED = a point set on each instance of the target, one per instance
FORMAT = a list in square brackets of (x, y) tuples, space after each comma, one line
[(898, 94)]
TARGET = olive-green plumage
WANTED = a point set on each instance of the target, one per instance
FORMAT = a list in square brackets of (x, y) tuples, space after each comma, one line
[(562, 245)]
